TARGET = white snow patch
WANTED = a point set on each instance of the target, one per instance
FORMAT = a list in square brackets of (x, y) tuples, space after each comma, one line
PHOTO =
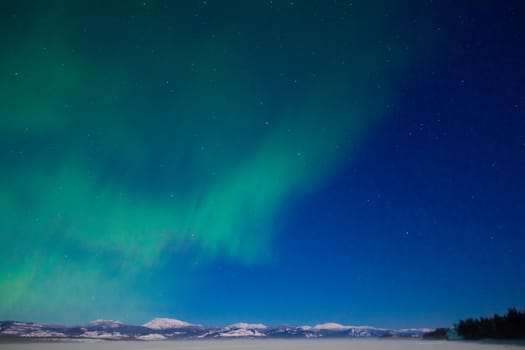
[(154, 336), (103, 335), (332, 326), (311, 335), (204, 335), (240, 332), (423, 330), (167, 323), (244, 325), (43, 334), (27, 324)]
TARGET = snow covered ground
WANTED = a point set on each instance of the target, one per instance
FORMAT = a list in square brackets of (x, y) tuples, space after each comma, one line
[(258, 344)]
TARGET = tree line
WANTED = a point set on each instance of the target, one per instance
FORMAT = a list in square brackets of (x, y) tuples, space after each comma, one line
[(509, 326)]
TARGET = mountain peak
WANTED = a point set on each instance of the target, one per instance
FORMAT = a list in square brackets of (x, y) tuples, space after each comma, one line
[(167, 323), (331, 326)]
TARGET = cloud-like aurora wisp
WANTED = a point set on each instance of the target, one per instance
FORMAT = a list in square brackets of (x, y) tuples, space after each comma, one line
[(107, 173)]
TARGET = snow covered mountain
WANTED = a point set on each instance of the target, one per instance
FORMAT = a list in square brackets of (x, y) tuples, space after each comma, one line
[(29, 330), (166, 328), (168, 323), (232, 333), (331, 326), (243, 325), (236, 330)]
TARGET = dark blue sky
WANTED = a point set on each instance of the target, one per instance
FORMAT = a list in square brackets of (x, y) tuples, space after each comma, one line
[(280, 162), (424, 224)]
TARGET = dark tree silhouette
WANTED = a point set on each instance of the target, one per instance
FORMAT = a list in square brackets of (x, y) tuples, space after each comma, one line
[(509, 326), (438, 333)]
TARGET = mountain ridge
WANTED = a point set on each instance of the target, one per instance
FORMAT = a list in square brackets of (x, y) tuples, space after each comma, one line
[(166, 328)]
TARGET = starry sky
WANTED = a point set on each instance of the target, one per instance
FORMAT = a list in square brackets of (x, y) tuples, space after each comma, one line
[(284, 162)]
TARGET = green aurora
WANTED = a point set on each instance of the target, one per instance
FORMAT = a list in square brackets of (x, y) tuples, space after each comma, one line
[(133, 135)]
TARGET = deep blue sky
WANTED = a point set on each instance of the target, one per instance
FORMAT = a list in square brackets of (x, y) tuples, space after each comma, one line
[(277, 162), (424, 225)]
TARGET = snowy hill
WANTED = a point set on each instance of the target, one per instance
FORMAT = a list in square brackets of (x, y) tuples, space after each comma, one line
[(331, 326), (167, 323)]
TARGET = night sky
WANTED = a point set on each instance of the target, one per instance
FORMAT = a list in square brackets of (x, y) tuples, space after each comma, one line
[(284, 162)]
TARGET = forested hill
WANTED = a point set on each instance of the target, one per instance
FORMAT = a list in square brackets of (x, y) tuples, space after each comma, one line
[(509, 326)]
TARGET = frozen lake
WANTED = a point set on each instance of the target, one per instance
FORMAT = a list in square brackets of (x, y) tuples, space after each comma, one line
[(328, 344)]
